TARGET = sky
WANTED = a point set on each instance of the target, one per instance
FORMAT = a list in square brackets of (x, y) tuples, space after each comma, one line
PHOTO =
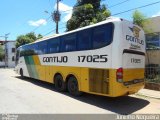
[(19, 17)]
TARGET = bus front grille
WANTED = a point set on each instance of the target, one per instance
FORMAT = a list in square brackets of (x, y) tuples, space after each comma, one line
[(99, 81)]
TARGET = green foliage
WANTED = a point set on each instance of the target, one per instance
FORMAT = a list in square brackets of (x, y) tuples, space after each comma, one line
[(95, 3), (27, 38), (2, 53), (39, 36), (141, 20), (87, 12)]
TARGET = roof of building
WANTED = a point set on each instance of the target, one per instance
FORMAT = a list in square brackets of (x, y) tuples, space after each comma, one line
[(8, 41), (3, 41)]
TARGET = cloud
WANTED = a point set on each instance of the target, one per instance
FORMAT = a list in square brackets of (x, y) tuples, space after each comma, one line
[(38, 22), (157, 14), (66, 9), (63, 7), (68, 16)]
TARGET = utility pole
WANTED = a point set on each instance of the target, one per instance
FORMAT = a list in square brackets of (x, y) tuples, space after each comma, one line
[(6, 53), (56, 16)]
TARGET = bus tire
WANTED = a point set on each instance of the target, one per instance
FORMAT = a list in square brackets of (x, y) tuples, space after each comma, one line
[(73, 86), (60, 85), (21, 73)]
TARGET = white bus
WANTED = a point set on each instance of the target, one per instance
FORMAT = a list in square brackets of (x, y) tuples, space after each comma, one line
[(106, 58)]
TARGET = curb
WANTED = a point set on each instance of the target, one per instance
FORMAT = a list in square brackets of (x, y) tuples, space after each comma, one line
[(145, 95)]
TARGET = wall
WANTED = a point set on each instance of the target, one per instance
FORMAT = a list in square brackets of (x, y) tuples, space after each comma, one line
[(11, 54), (2, 64), (153, 57), (154, 24)]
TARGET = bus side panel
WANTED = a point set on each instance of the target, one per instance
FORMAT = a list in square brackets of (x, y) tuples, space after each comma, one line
[(22, 65), (40, 69), (116, 88), (99, 81), (119, 89), (84, 79), (48, 74), (37, 66), (134, 73)]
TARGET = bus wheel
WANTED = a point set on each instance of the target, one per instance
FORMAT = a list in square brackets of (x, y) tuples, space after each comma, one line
[(21, 73), (60, 85), (73, 87)]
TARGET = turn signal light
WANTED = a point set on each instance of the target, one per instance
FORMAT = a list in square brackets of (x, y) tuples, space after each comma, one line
[(119, 75)]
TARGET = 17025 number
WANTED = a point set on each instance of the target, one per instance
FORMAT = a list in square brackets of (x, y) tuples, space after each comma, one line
[(93, 58)]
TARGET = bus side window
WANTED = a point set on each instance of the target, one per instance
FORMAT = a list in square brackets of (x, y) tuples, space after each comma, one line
[(102, 36), (31, 49), (68, 42), (84, 40), (17, 55), (22, 51), (42, 48), (53, 45), (35, 49)]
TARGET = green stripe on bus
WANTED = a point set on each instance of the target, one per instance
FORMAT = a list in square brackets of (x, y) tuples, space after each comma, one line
[(31, 67)]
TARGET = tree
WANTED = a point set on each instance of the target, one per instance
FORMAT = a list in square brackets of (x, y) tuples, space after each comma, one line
[(27, 38), (87, 12), (2, 53), (141, 20), (39, 36)]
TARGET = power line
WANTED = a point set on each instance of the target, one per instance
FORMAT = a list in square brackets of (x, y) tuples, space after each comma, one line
[(49, 32), (52, 31), (55, 29), (120, 12), (40, 25), (137, 8), (118, 3), (51, 3), (80, 6)]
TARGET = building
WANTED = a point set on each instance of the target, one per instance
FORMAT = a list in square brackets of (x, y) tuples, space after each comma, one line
[(153, 41), (153, 38), (10, 53)]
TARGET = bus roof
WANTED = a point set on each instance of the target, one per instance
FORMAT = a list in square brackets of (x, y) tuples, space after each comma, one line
[(109, 19)]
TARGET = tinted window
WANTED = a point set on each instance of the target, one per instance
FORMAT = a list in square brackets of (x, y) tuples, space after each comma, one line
[(23, 51), (42, 47), (102, 35), (152, 37), (152, 40), (31, 49), (153, 45), (68, 43), (84, 40), (13, 50), (17, 55), (35, 49), (54, 45), (13, 58)]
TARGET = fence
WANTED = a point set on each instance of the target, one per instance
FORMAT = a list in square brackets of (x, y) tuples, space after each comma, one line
[(152, 73)]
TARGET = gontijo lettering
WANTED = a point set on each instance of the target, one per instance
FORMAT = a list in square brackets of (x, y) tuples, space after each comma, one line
[(134, 39), (56, 59)]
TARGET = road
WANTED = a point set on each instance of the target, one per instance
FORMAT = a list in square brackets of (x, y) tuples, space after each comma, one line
[(27, 96)]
